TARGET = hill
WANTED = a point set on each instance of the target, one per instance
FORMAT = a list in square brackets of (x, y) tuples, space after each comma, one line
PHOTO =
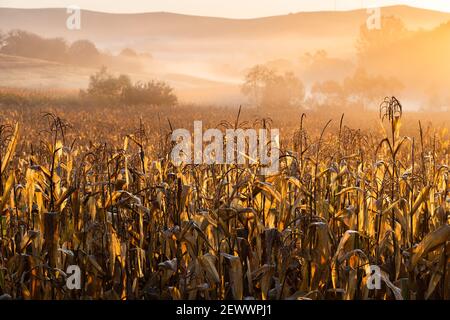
[(20, 72)]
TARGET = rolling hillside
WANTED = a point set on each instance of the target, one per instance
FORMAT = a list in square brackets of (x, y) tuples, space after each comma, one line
[(201, 56)]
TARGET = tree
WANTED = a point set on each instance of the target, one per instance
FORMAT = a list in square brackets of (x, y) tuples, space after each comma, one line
[(129, 53), (283, 91), (84, 52), (104, 86), (26, 44), (315, 58), (55, 50), (269, 89), (256, 82), (373, 40), (329, 92), (360, 88), (366, 89)]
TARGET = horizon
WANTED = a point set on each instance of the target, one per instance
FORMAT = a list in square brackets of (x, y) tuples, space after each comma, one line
[(228, 12)]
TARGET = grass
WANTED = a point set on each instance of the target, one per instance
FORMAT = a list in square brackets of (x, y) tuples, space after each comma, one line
[(96, 188)]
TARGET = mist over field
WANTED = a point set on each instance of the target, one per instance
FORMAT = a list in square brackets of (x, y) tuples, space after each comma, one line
[(206, 59)]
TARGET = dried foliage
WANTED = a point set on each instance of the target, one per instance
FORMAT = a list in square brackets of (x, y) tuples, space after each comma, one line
[(141, 228)]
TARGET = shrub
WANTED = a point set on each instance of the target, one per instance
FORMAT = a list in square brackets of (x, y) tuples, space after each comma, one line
[(105, 88), (152, 92)]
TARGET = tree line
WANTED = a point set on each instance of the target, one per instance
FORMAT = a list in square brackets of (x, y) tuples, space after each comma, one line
[(81, 52)]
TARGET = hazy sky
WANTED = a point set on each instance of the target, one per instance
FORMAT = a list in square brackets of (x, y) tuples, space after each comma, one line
[(224, 8)]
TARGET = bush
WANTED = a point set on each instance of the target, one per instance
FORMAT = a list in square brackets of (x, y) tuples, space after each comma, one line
[(105, 88), (153, 93)]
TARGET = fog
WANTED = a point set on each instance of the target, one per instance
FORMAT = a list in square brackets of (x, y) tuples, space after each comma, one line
[(206, 60)]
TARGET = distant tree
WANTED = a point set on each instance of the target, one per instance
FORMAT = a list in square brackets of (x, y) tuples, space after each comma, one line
[(127, 52), (366, 89), (361, 89), (283, 91), (256, 81), (268, 89), (372, 40), (329, 92), (313, 58), (55, 50), (26, 44), (84, 52)]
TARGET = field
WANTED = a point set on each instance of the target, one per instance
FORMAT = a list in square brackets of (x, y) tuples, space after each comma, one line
[(95, 187)]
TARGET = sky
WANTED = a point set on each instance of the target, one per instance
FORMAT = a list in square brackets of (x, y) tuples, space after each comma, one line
[(223, 8)]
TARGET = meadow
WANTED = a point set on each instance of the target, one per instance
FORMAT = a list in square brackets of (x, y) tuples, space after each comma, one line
[(95, 187)]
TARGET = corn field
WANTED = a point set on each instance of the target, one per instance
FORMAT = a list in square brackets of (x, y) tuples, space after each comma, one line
[(140, 227)]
